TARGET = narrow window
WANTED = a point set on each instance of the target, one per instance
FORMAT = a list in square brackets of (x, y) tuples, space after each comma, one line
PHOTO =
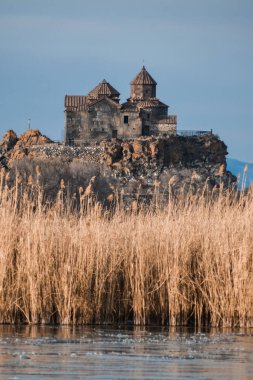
[(114, 133), (126, 119)]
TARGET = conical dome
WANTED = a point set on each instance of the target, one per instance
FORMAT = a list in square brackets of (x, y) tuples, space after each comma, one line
[(104, 89), (143, 78)]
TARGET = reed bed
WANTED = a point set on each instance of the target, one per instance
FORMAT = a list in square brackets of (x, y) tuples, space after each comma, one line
[(188, 262)]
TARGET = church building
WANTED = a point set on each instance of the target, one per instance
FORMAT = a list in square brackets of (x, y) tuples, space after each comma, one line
[(99, 115)]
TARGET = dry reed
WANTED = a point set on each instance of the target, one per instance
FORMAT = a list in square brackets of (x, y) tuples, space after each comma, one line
[(188, 262)]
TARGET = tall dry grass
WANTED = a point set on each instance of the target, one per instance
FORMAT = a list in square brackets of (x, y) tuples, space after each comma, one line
[(188, 262)]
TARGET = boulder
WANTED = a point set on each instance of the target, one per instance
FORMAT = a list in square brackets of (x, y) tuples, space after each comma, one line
[(9, 140)]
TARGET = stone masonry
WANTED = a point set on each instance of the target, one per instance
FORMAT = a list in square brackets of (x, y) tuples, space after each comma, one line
[(99, 114)]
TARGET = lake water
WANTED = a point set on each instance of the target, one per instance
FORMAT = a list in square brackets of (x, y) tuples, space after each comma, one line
[(32, 352)]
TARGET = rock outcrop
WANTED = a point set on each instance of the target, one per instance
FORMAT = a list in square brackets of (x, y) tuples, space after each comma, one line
[(189, 162), (140, 167), (14, 148), (8, 142)]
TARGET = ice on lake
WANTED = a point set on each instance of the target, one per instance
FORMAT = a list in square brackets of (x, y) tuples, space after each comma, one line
[(33, 352)]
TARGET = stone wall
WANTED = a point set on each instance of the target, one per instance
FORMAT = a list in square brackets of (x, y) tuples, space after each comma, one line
[(106, 119), (143, 91), (96, 123), (131, 129), (100, 123)]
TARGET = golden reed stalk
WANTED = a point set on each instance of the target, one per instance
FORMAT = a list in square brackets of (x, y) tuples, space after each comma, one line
[(189, 262)]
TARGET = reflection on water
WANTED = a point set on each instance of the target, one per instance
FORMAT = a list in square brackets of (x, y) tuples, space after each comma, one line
[(33, 352)]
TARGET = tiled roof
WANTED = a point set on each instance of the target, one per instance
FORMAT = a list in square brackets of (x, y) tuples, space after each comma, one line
[(75, 102), (129, 106), (136, 105), (143, 78), (150, 103), (103, 88), (94, 102)]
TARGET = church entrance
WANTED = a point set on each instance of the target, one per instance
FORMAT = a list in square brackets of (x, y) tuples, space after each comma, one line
[(145, 130)]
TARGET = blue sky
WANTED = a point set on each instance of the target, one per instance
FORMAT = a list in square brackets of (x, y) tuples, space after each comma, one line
[(199, 51)]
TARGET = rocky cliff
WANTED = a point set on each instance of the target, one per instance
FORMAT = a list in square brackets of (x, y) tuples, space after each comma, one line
[(139, 167), (169, 163)]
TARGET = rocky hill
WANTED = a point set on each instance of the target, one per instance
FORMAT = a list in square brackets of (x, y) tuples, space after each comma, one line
[(138, 167)]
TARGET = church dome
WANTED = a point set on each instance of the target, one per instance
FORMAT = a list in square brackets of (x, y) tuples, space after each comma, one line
[(143, 78), (103, 89)]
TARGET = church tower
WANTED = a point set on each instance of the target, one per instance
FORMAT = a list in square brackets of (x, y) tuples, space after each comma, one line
[(143, 86)]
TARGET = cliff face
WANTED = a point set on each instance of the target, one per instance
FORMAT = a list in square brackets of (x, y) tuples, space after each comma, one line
[(139, 167), (189, 162), (174, 150)]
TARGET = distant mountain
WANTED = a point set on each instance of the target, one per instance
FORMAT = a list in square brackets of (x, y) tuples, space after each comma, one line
[(237, 168)]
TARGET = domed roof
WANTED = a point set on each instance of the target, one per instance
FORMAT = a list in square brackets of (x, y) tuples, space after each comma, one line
[(143, 78), (103, 89)]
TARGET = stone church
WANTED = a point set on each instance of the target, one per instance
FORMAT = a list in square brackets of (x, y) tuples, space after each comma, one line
[(100, 115)]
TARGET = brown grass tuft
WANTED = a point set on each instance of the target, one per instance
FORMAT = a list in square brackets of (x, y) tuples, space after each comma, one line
[(188, 262)]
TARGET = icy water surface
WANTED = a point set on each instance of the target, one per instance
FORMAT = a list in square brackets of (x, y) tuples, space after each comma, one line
[(117, 353)]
